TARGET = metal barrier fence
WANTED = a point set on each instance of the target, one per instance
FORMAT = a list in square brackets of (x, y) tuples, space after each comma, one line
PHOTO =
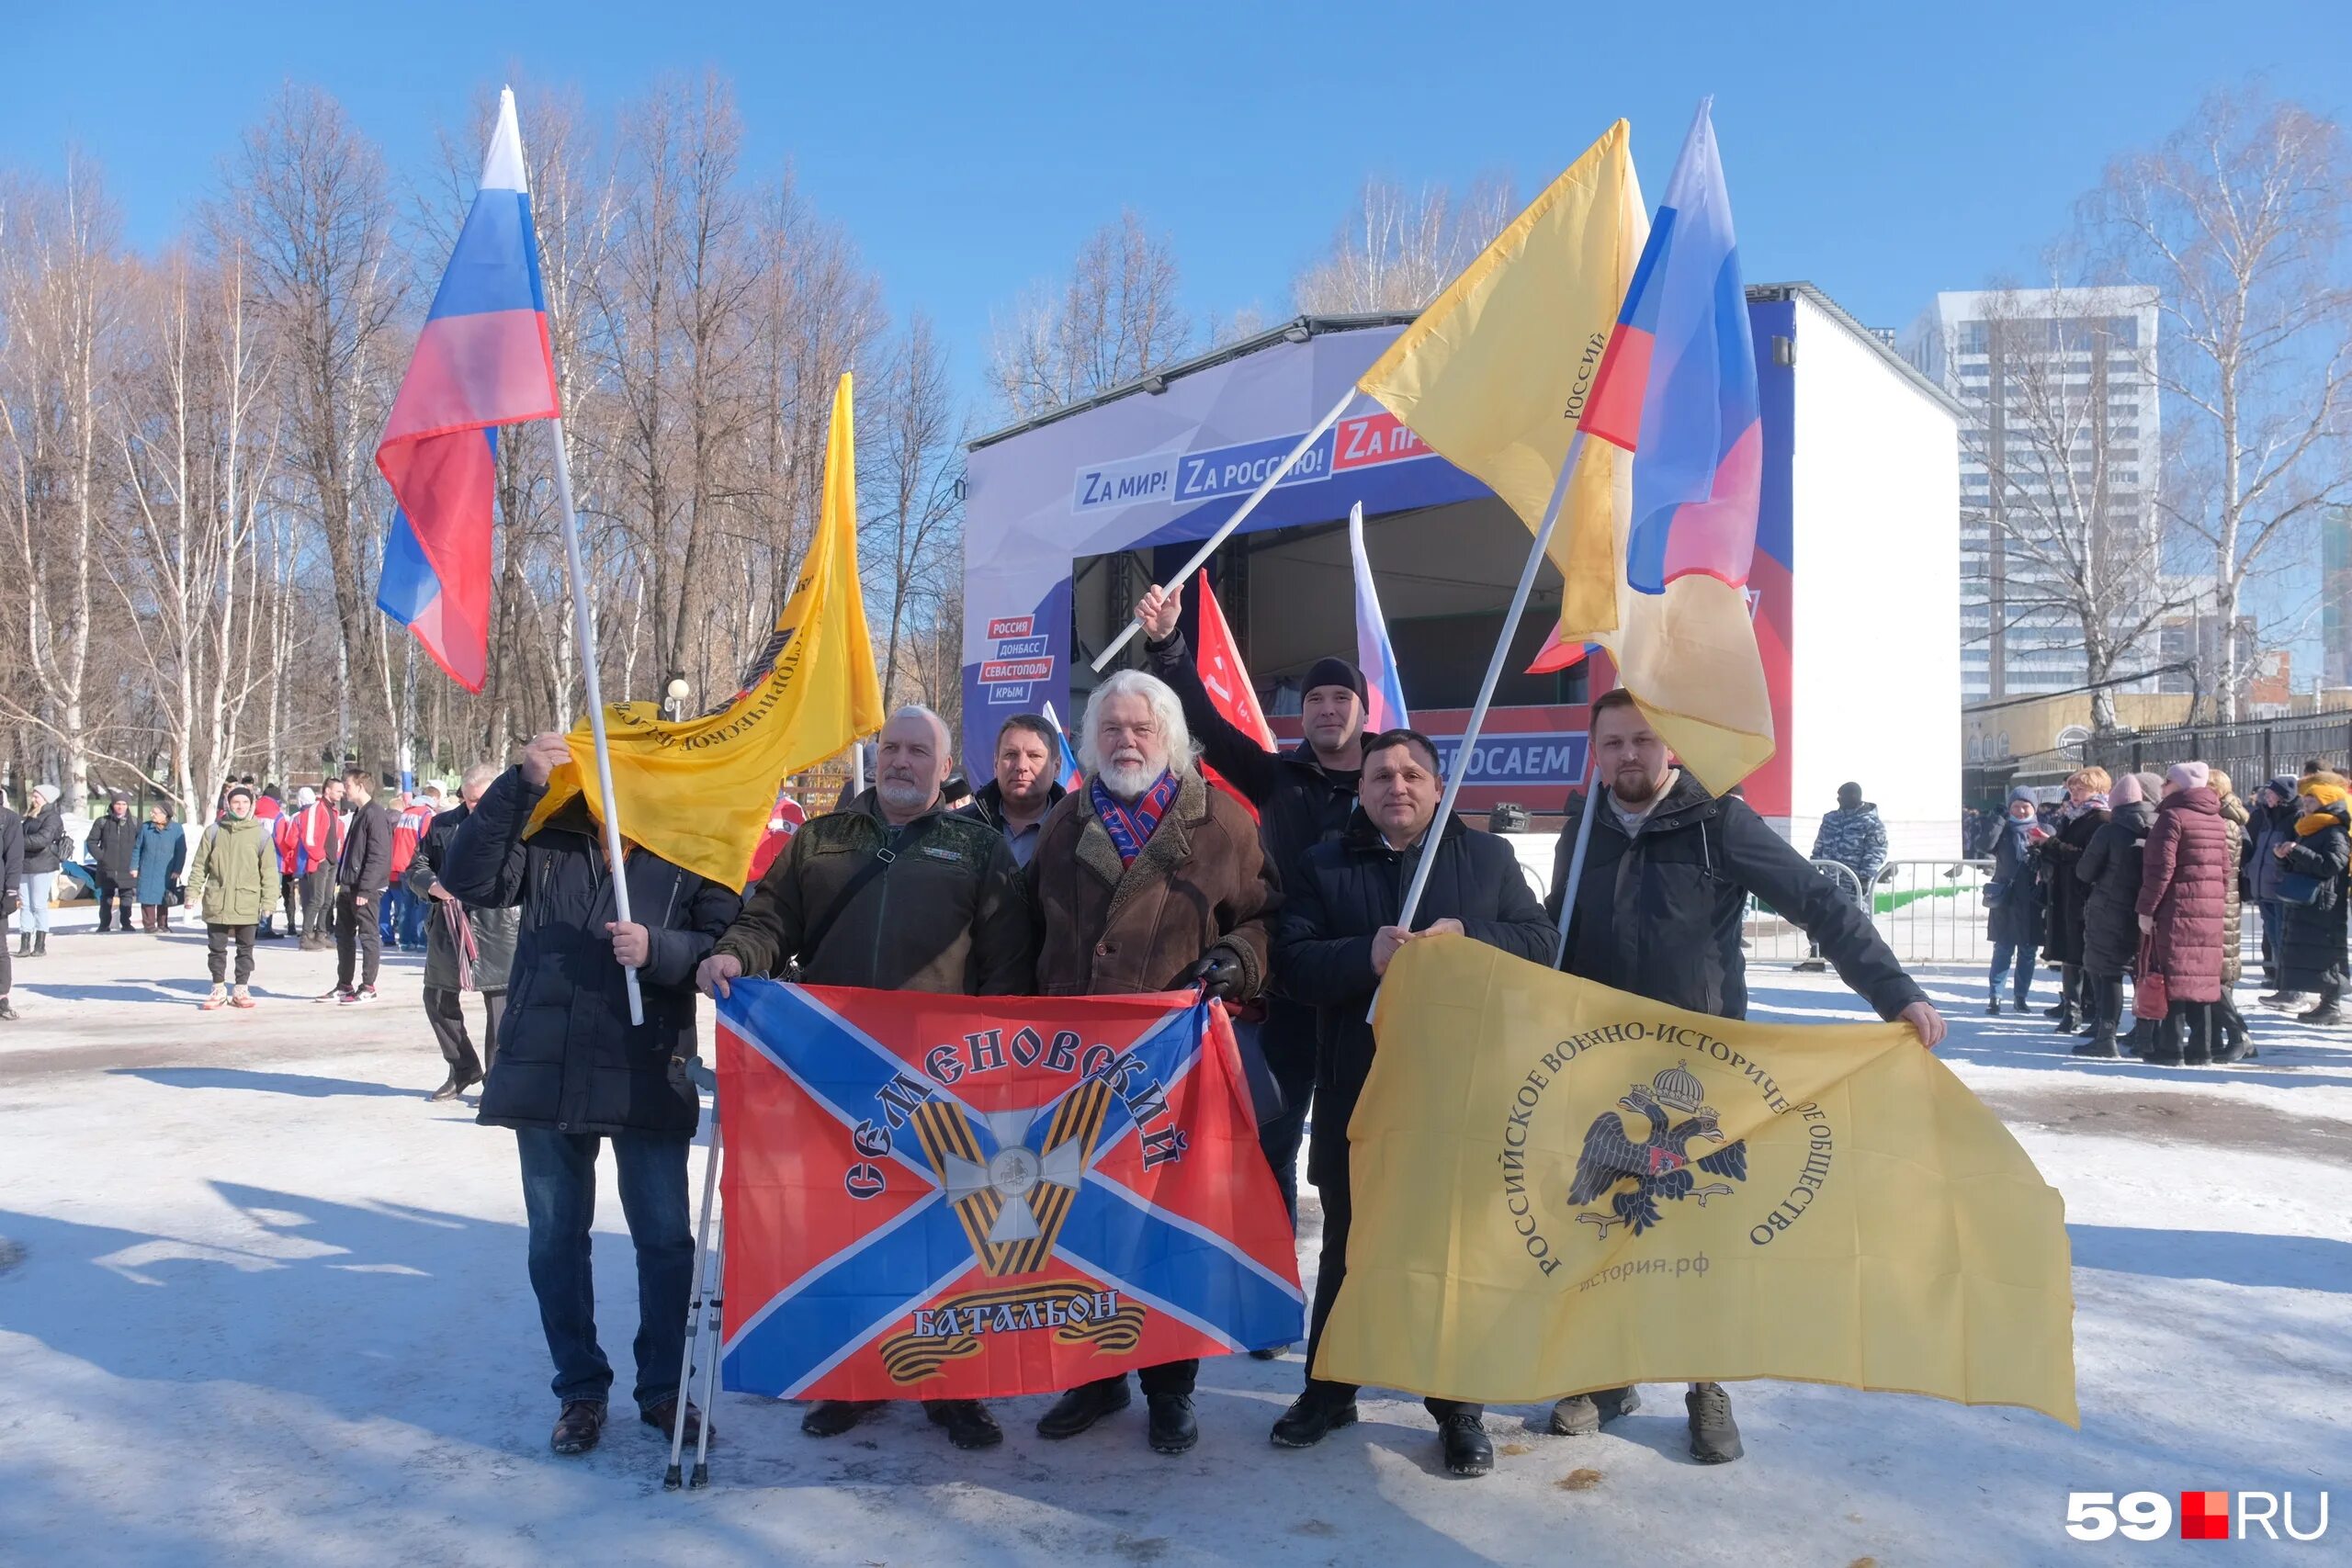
[(2252, 752), (1930, 911)]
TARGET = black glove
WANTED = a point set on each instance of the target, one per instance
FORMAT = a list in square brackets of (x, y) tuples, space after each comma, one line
[(1219, 975)]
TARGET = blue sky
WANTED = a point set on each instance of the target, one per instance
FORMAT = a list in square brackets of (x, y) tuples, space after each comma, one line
[(1883, 150)]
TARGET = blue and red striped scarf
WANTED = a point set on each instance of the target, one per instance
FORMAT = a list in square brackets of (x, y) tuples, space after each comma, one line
[(1129, 826)]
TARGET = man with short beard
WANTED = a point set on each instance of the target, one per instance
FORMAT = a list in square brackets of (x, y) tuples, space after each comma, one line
[(1146, 880), (893, 893), (1015, 802), (1667, 880)]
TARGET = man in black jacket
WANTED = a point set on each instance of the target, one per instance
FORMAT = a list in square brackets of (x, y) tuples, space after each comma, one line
[(112, 841), (571, 1070), (361, 874), (1304, 797), (12, 866), (1015, 802), (1667, 879), (894, 893), (1338, 932)]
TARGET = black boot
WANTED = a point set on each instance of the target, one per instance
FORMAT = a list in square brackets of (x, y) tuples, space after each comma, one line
[(2165, 1052), (968, 1421), (460, 1080), (1468, 1450), (2101, 1043), (2326, 1014), (1083, 1406), (7, 1013), (2198, 1051), (1714, 1437), (41, 944), (2236, 1045), (1312, 1416), (832, 1417), (24, 945), (1174, 1430), (1993, 1005)]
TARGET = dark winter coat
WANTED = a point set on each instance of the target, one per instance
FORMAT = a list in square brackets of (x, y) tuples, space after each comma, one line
[(987, 805), (45, 841), (2110, 869), (2233, 822), (568, 1057), (1855, 839), (2013, 896), (1300, 805), (1659, 914), (1201, 881), (493, 929), (2310, 940), (2267, 827), (113, 846), (365, 865), (12, 856), (948, 914), (157, 862), (2065, 896), (1344, 893), (2187, 869)]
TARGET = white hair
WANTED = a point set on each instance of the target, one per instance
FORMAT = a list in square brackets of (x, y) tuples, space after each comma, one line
[(478, 777), (1165, 707), (938, 725)]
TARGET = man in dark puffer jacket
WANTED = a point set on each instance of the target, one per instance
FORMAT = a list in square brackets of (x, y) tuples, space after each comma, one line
[(571, 1070), (2110, 867)]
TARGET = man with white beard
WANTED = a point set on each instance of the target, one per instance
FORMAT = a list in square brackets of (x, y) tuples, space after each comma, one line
[(893, 892), (1146, 880)]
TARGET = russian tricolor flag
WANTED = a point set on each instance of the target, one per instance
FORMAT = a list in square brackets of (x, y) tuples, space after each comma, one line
[(1071, 776), (483, 360), (1678, 386), (1384, 691)]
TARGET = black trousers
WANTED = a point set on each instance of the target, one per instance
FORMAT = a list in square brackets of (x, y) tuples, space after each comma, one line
[(356, 936), (445, 1010), (215, 952), (317, 910), (114, 899), (1331, 1269)]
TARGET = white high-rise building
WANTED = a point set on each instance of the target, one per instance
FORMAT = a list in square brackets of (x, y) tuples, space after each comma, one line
[(2060, 389)]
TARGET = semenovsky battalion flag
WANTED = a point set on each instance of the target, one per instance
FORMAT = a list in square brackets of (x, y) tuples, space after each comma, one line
[(944, 1197), (1495, 375), (483, 360), (697, 791), (1678, 390), (1561, 1188)]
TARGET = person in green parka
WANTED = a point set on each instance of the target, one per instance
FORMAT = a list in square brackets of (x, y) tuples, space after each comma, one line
[(235, 879)]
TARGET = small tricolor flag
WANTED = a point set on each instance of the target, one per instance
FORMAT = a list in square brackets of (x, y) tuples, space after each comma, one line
[(1384, 689), (1070, 775), (483, 360)]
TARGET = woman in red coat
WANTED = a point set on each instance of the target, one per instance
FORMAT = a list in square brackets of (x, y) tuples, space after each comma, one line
[(2184, 905)]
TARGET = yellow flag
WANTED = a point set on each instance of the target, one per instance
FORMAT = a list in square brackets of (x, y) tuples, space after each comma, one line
[(698, 792), (1494, 374), (1561, 1188)]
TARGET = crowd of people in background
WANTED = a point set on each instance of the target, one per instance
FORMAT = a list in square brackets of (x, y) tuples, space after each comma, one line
[(2148, 879)]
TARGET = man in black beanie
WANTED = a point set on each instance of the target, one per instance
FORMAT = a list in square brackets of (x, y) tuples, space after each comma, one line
[(1304, 797)]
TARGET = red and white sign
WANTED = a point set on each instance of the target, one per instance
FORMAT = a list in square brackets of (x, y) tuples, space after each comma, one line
[(1010, 625), (995, 670)]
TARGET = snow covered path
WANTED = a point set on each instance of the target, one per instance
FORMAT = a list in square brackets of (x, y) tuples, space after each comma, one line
[(260, 1304)]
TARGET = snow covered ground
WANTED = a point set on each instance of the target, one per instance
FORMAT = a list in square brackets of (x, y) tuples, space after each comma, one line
[(260, 1304)]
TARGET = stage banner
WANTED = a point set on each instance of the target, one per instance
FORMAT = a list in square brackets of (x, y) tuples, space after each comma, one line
[(945, 1197)]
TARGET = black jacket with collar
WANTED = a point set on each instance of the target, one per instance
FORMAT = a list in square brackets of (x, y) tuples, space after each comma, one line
[(568, 1057), (365, 863), (1343, 892), (1658, 914), (987, 803)]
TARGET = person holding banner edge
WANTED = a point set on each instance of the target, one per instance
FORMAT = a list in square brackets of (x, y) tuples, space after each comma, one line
[(894, 893), (1668, 874), (1339, 931)]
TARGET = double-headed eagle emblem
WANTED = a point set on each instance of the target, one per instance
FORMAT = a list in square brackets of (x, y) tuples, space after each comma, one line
[(1660, 1166)]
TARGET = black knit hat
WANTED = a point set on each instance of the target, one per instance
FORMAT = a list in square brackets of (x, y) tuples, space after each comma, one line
[(1334, 673)]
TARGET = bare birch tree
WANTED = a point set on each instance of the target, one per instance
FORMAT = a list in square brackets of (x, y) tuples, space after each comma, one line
[(1399, 248), (1117, 317)]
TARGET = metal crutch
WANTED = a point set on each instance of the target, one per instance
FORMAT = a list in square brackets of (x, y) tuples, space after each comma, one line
[(671, 1478), (710, 1362)]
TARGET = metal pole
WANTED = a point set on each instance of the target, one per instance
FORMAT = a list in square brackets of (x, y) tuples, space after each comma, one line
[(1208, 545), (584, 634), (672, 1478), (701, 1476), (1576, 856), (1468, 748)]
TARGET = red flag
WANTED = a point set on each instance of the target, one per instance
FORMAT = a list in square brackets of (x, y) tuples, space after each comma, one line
[(1219, 662)]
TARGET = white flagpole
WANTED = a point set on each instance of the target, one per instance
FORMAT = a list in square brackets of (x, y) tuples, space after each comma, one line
[(1576, 856), (1468, 748), (584, 634), (1208, 545)]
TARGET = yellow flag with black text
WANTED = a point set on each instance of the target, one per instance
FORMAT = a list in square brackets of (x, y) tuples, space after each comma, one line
[(1560, 1188), (1493, 375), (698, 792)]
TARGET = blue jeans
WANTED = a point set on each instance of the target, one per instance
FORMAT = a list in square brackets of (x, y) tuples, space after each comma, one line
[(411, 918), (560, 1195), (33, 888), (2022, 953)]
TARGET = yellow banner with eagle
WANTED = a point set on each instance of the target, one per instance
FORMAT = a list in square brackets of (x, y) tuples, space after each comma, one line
[(1560, 1188)]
